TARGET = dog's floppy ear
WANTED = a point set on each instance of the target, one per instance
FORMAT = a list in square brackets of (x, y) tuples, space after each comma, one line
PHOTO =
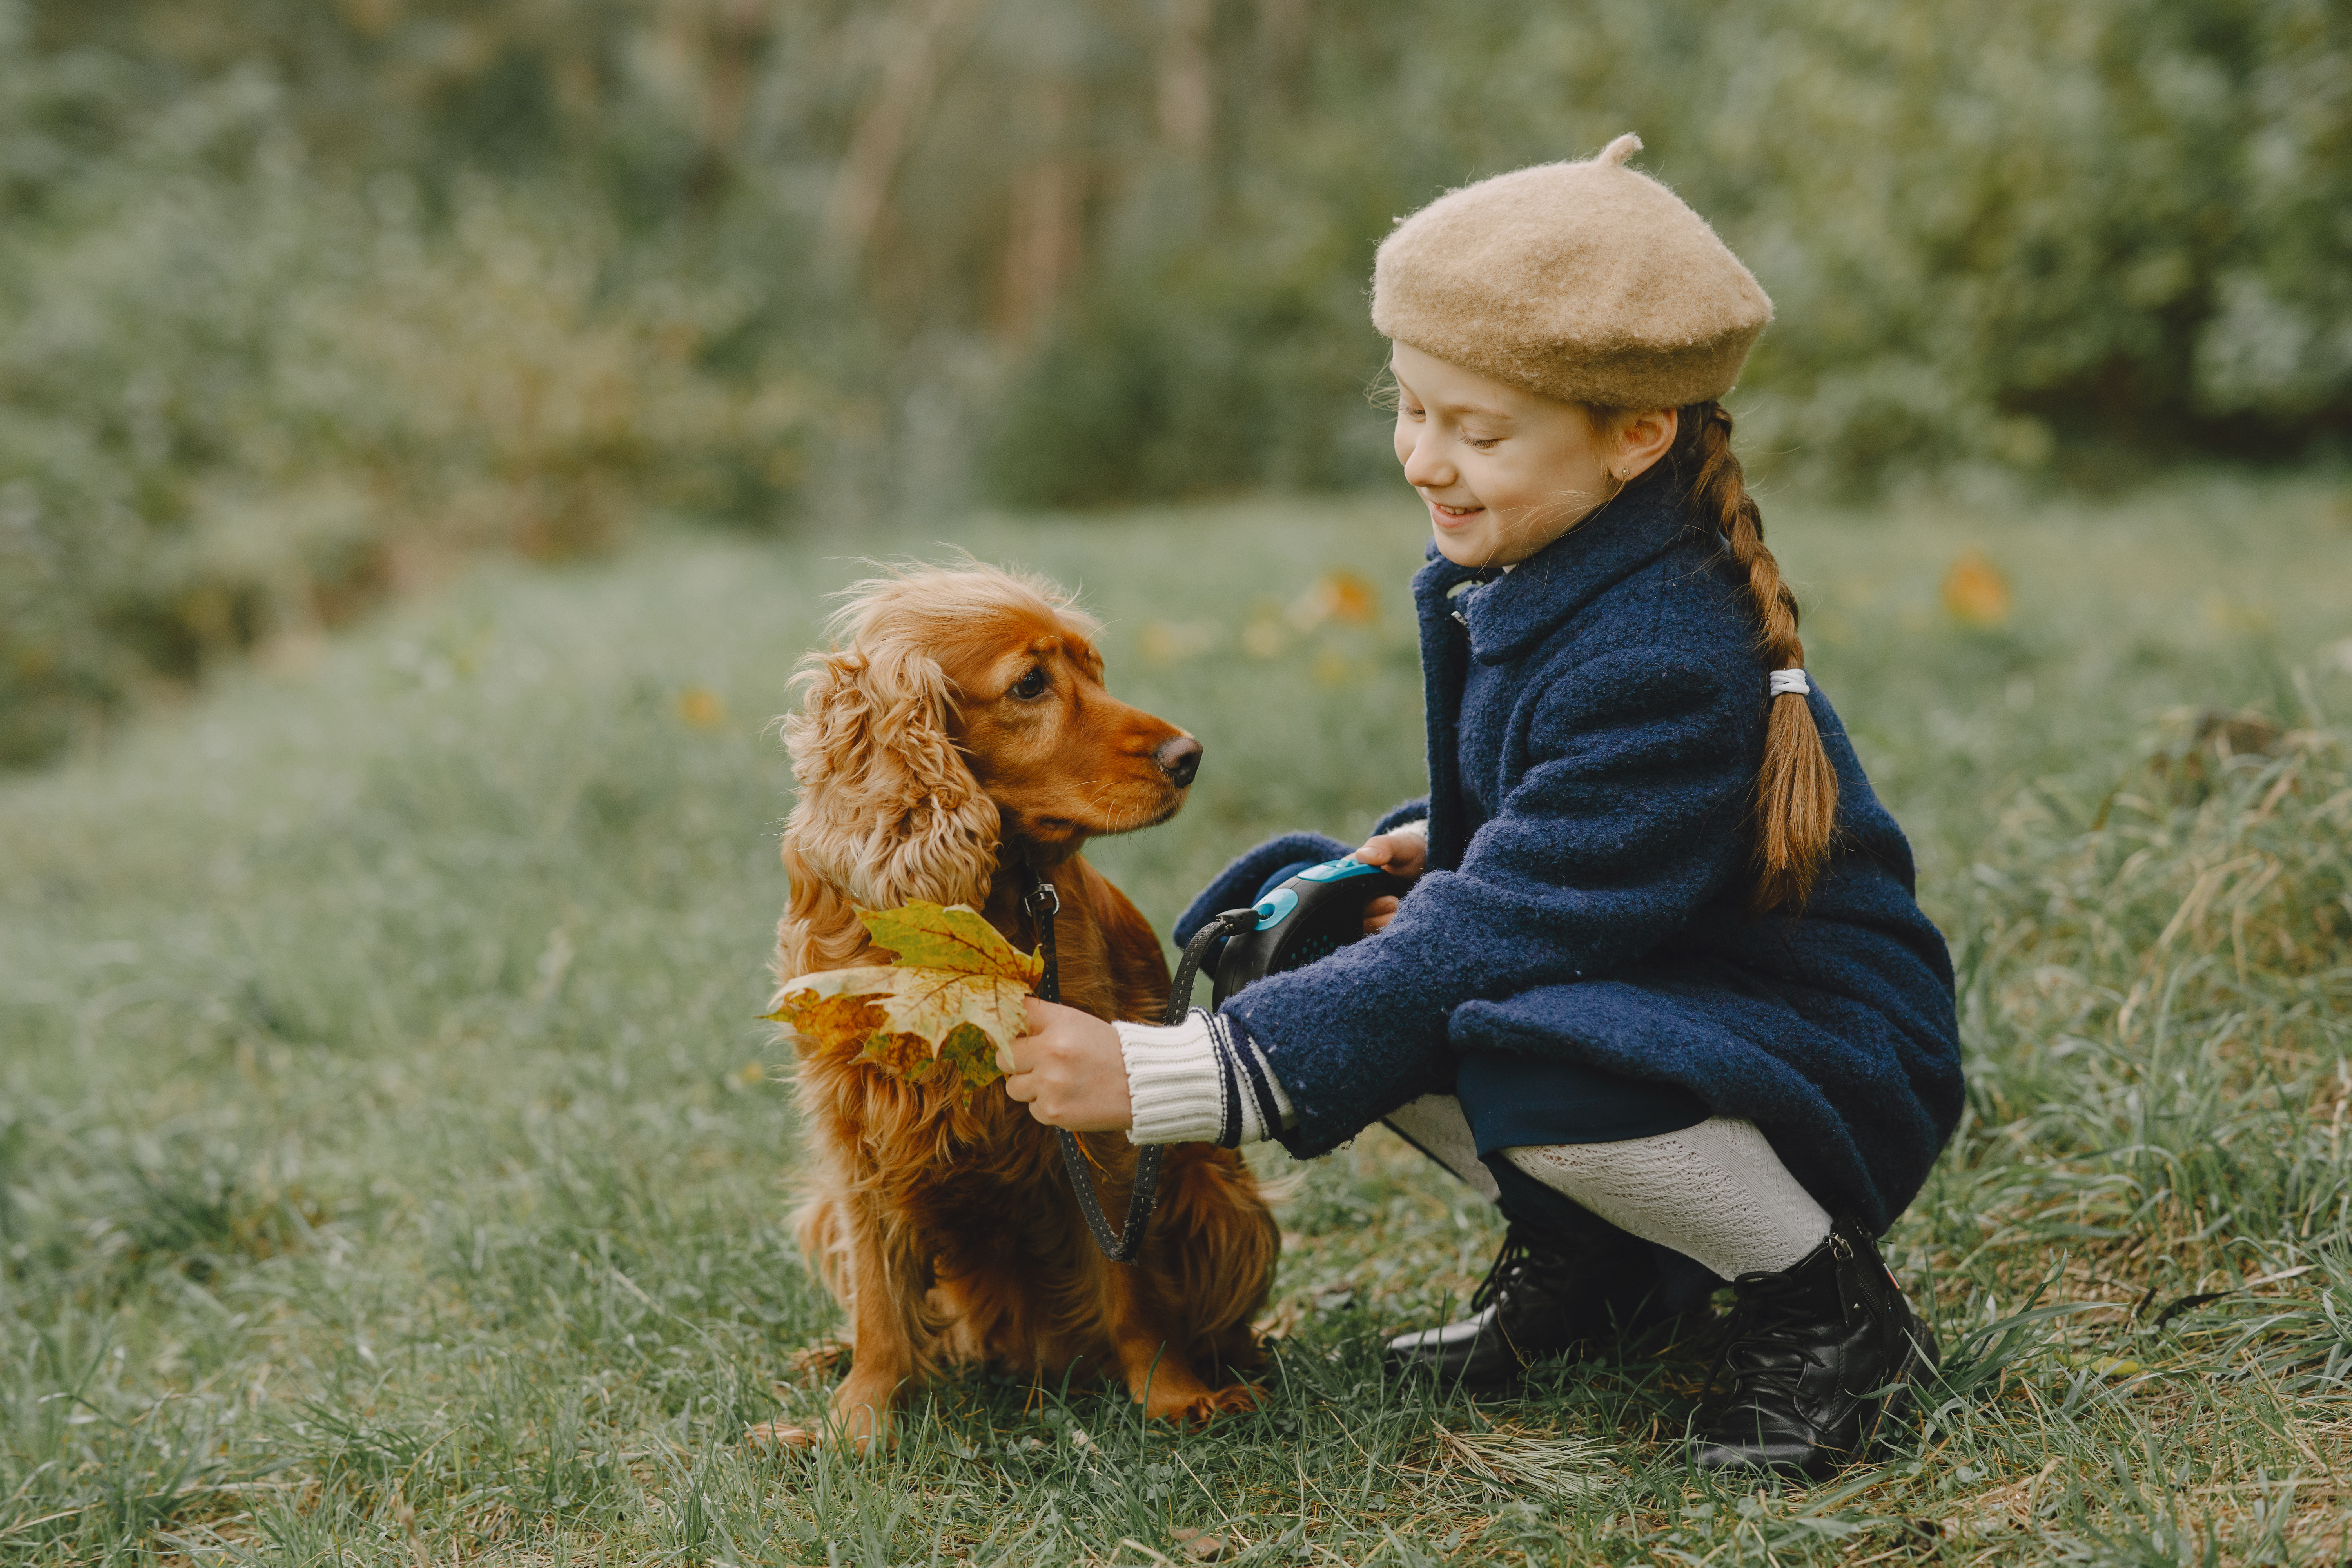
[(888, 809)]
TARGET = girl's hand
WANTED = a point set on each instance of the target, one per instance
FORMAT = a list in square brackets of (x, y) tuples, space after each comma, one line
[(1069, 1070), (1398, 854)]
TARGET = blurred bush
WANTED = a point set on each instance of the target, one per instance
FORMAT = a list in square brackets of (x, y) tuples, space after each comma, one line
[(297, 298), (2014, 233), (243, 391)]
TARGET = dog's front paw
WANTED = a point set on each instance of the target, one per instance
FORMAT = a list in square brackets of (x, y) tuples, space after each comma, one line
[(1234, 1400), (778, 1435), (857, 1436), (1200, 1409)]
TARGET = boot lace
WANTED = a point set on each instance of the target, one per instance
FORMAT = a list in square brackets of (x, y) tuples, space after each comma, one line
[(1772, 1321), (1519, 1263)]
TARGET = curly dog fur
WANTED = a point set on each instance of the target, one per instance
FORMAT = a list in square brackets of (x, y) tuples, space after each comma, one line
[(957, 730)]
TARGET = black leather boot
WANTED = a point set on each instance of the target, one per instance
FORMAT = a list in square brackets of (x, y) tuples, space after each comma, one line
[(1822, 1360), (1538, 1302)]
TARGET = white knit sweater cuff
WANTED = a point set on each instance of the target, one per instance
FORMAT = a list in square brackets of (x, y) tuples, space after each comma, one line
[(1417, 829), (1201, 1081), (1174, 1080)]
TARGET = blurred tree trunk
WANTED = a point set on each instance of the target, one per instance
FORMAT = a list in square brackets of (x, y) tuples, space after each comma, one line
[(924, 39), (1283, 27), (1043, 243), (723, 37), (1187, 77)]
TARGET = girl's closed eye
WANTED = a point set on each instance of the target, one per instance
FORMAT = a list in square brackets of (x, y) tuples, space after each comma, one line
[(1481, 443)]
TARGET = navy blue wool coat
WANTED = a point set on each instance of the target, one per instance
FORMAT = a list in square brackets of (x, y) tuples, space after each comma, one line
[(1596, 719)]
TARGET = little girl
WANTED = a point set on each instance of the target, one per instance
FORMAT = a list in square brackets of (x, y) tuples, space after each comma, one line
[(1660, 982)]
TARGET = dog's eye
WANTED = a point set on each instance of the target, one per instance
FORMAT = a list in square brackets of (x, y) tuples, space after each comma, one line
[(1030, 685)]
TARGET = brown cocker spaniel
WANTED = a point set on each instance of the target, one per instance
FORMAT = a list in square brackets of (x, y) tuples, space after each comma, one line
[(959, 729)]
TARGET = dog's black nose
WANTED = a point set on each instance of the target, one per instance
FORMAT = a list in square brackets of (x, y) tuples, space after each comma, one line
[(1180, 758)]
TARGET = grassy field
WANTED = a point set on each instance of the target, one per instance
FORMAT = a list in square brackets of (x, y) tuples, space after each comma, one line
[(393, 1169)]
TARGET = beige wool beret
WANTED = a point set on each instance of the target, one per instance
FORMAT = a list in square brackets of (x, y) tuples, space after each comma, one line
[(1585, 283)]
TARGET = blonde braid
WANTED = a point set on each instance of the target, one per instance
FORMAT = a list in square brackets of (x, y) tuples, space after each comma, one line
[(1796, 788)]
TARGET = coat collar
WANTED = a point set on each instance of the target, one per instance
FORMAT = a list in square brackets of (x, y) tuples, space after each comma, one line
[(1512, 613)]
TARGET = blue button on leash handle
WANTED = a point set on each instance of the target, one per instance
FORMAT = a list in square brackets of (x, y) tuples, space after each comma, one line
[(1345, 865), (1312, 915), (1275, 908)]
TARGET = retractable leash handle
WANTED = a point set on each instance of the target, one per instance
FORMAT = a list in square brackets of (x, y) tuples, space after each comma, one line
[(1320, 911), (1314, 914), (1311, 916)]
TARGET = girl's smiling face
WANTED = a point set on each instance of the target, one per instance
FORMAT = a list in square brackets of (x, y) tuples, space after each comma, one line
[(1504, 472)]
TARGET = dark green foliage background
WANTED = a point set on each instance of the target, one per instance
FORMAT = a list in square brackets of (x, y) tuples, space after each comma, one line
[(296, 298)]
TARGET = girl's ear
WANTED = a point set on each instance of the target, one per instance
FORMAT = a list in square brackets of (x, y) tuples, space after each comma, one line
[(1643, 437), (888, 810)]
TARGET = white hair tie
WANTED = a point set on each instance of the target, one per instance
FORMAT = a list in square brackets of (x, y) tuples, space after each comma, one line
[(1789, 682)]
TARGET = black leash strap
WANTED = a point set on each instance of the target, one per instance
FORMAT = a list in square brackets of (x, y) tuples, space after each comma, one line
[(1120, 1245)]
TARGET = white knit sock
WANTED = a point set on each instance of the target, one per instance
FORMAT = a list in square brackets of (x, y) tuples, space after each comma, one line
[(1715, 1192), (1434, 1125)]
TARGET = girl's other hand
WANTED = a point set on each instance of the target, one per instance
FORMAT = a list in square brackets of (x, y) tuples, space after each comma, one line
[(1068, 1070), (1402, 855)]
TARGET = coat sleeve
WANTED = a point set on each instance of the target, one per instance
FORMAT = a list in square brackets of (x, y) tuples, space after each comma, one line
[(1623, 819)]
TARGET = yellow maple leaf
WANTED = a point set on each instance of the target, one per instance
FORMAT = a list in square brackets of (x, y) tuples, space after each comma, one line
[(900, 1055), (971, 1053), (952, 1002), (828, 1023), (928, 1003), (952, 937)]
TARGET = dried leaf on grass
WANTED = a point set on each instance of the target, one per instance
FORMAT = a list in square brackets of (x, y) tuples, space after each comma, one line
[(1280, 1323), (954, 995), (1521, 1462)]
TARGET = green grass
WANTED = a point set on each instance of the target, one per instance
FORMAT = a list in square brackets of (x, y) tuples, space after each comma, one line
[(392, 1167)]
